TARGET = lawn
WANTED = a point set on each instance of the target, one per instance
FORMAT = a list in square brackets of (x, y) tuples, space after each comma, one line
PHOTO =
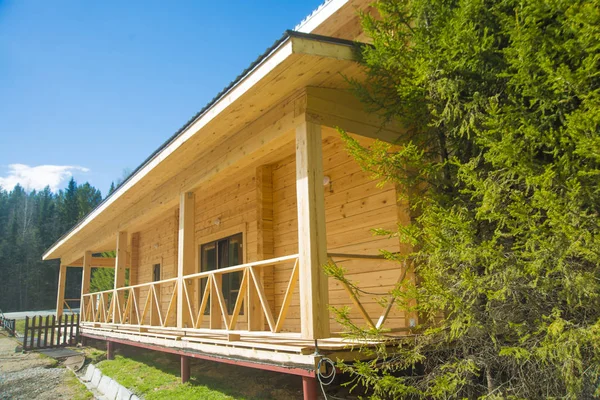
[(160, 382), (20, 326), (155, 375)]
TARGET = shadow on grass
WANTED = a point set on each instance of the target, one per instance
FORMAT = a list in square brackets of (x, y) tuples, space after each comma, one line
[(155, 375)]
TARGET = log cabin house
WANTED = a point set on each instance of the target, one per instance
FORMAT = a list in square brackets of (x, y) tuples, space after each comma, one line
[(225, 228)]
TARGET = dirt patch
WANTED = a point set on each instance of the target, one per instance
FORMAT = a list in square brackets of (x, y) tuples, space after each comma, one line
[(32, 376)]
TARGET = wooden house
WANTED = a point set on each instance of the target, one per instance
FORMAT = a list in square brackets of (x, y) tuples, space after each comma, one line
[(225, 228)]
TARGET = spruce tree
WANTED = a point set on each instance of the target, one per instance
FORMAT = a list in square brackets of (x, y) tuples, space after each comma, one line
[(69, 206), (500, 162)]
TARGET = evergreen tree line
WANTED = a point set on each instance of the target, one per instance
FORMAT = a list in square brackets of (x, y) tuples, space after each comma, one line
[(30, 222)]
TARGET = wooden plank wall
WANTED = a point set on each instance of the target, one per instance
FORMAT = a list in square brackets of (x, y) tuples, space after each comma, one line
[(158, 245), (226, 209), (353, 203), (353, 206)]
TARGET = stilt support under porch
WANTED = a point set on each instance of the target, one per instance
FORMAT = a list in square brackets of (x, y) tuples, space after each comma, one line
[(309, 387), (185, 369), (110, 350)]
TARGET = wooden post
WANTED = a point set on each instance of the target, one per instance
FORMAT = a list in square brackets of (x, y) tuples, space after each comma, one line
[(52, 329), (312, 239), (216, 317), (134, 274), (25, 333), (185, 369), (85, 279), (71, 342), (119, 274), (186, 259), (60, 296), (46, 331)]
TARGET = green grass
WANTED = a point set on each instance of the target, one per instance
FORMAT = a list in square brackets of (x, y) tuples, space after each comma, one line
[(20, 326), (158, 378), (77, 390)]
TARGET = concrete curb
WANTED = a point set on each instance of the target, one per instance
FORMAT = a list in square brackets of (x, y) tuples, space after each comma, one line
[(107, 388)]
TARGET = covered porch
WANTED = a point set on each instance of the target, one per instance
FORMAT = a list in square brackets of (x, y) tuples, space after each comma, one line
[(263, 169)]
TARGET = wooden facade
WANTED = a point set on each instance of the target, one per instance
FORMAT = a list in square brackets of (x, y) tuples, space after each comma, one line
[(260, 177)]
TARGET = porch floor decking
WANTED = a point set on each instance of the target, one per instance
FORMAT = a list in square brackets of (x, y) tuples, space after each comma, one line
[(282, 349)]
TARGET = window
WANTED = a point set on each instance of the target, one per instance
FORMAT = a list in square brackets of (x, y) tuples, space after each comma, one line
[(156, 273), (219, 254)]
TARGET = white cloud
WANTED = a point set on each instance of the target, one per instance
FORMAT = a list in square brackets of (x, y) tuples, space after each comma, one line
[(38, 177)]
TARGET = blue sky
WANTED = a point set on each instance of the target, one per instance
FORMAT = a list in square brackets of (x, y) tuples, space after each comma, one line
[(92, 88)]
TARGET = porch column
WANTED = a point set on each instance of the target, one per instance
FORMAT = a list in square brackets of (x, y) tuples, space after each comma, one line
[(60, 295), (120, 262), (312, 239), (85, 281), (185, 259)]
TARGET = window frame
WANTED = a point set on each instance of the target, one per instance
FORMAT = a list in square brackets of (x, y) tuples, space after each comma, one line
[(222, 234)]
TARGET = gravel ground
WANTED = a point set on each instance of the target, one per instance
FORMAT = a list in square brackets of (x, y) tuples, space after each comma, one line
[(30, 376)]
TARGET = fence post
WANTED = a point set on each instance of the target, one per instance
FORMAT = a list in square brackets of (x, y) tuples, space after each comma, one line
[(32, 336), (77, 329), (46, 331), (71, 330), (52, 328), (59, 332), (65, 331), (40, 322), (25, 333)]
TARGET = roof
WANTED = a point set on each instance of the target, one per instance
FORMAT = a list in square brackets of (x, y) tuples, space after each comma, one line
[(229, 88)]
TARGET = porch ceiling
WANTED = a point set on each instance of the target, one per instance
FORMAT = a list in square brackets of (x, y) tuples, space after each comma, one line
[(203, 147)]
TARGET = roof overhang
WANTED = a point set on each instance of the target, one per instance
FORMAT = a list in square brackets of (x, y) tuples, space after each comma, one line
[(294, 62)]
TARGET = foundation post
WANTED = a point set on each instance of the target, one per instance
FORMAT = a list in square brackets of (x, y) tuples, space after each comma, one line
[(185, 369), (110, 350), (309, 388)]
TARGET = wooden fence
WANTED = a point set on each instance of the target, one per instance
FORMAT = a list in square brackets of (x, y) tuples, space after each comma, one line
[(7, 324), (46, 333)]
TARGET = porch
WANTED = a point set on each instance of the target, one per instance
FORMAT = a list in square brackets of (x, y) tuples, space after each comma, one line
[(134, 313)]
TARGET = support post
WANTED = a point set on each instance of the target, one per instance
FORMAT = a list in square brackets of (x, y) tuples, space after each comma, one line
[(309, 388), (312, 239), (85, 281), (134, 267), (120, 262), (185, 259), (60, 296), (110, 350), (185, 369)]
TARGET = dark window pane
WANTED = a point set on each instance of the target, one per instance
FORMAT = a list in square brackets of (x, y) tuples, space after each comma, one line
[(156, 272), (220, 254)]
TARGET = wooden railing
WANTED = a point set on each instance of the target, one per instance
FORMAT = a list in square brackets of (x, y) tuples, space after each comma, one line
[(7, 324), (124, 306), (141, 306)]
